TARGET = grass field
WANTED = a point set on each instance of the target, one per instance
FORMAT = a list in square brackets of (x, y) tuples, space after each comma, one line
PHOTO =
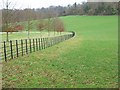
[(33, 34), (89, 60)]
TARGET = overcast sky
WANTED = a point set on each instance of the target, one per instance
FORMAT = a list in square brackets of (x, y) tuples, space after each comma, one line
[(42, 3)]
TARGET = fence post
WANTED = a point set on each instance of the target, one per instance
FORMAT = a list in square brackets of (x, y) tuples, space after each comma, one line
[(5, 51), (17, 47), (55, 40), (66, 37), (26, 46), (34, 45), (22, 46), (11, 49), (39, 43), (30, 46), (44, 43), (48, 42), (51, 41)]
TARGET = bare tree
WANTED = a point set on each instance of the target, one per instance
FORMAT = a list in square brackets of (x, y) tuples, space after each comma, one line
[(50, 15), (29, 19), (58, 25), (42, 25), (7, 17)]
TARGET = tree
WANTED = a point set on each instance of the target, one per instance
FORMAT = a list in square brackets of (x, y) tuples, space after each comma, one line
[(41, 25), (50, 15), (29, 19), (7, 17), (58, 25)]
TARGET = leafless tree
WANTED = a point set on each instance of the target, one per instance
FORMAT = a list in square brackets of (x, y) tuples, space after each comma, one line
[(7, 16), (58, 25), (50, 15), (42, 25), (29, 19)]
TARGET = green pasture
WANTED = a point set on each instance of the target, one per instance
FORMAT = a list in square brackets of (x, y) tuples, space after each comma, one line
[(32, 34), (88, 60)]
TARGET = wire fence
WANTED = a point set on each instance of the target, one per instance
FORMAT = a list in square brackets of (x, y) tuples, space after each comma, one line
[(16, 48)]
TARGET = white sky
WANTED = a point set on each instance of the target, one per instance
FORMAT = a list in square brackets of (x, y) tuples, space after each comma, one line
[(42, 3)]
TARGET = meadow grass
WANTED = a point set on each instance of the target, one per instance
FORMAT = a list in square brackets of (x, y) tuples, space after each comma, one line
[(32, 34), (89, 60)]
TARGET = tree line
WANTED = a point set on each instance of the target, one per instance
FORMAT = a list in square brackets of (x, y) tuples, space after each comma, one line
[(86, 8), (48, 17)]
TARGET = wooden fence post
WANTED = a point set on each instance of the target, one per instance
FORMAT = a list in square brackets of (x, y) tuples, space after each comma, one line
[(17, 47), (51, 41), (11, 49), (66, 37), (34, 45), (30, 46), (22, 46), (44, 43), (39, 43), (55, 40), (5, 51), (26, 46)]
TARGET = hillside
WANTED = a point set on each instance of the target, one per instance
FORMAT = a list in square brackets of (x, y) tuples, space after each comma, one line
[(89, 60)]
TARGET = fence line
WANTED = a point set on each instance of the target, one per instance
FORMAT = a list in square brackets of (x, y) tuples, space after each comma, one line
[(14, 49)]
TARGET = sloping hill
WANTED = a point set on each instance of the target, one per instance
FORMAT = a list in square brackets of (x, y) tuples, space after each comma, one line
[(88, 60)]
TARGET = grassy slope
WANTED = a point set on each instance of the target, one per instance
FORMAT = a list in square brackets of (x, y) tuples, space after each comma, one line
[(87, 60)]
